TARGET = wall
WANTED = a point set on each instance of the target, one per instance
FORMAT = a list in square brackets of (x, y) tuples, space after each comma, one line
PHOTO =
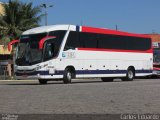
[(1, 8)]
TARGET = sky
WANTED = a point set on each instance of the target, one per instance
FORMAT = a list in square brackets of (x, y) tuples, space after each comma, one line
[(136, 16)]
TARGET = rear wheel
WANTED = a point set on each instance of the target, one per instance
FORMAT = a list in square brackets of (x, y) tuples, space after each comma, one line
[(109, 79), (42, 81), (130, 75)]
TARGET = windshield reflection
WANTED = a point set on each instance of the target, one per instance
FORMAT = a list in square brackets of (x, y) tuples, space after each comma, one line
[(28, 52)]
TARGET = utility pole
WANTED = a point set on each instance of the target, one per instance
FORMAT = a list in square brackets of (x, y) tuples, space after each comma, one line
[(116, 27), (45, 6)]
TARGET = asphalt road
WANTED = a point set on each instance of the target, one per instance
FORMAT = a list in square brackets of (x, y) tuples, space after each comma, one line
[(81, 97)]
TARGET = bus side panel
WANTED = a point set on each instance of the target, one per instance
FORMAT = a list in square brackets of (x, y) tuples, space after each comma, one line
[(106, 64)]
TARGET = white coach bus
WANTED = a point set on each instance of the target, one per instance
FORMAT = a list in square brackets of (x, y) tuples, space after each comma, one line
[(66, 52)]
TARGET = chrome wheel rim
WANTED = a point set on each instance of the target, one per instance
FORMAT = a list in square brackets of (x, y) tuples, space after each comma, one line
[(69, 76), (130, 74)]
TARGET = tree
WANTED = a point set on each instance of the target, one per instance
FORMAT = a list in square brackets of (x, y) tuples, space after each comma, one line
[(19, 17)]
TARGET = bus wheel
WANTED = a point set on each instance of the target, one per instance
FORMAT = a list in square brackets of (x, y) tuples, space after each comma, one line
[(42, 81), (68, 75), (130, 74), (107, 79)]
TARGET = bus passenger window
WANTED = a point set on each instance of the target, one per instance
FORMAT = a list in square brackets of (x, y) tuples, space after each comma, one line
[(72, 41)]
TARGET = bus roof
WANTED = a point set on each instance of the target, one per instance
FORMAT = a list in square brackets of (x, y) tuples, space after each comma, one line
[(43, 29), (49, 28)]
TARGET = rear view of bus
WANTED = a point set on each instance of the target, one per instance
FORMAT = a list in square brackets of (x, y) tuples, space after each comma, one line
[(66, 52)]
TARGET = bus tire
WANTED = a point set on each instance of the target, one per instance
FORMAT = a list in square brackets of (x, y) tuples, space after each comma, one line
[(107, 79), (67, 78), (130, 74), (42, 81)]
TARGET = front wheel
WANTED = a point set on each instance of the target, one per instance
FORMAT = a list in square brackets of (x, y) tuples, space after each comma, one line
[(42, 81), (67, 78), (130, 75)]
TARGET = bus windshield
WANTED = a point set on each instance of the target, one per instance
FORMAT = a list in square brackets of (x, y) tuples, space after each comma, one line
[(28, 51)]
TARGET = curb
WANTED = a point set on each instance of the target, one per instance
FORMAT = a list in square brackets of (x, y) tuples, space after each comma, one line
[(18, 80)]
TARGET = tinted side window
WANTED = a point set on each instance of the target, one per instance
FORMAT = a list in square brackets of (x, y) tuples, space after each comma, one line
[(58, 40), (88, 40), (59, 36), (52, 46), (104, 41), (72, 41), (123, 42), (134, 43), (111, 42)]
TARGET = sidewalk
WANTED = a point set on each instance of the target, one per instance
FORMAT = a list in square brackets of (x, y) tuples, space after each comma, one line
[(19, 82), (16, 80)]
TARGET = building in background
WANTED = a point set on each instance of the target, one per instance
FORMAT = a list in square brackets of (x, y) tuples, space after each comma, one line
[(155, 37), (1, 9), (5, 55)]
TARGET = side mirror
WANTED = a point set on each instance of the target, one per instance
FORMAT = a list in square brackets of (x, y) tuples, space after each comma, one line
[(42, 41), (11, 43)]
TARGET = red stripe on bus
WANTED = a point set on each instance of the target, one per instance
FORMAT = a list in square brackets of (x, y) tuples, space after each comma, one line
[(41, 42), (155, 68), (116, 50), (11, 43), (112, 32)]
